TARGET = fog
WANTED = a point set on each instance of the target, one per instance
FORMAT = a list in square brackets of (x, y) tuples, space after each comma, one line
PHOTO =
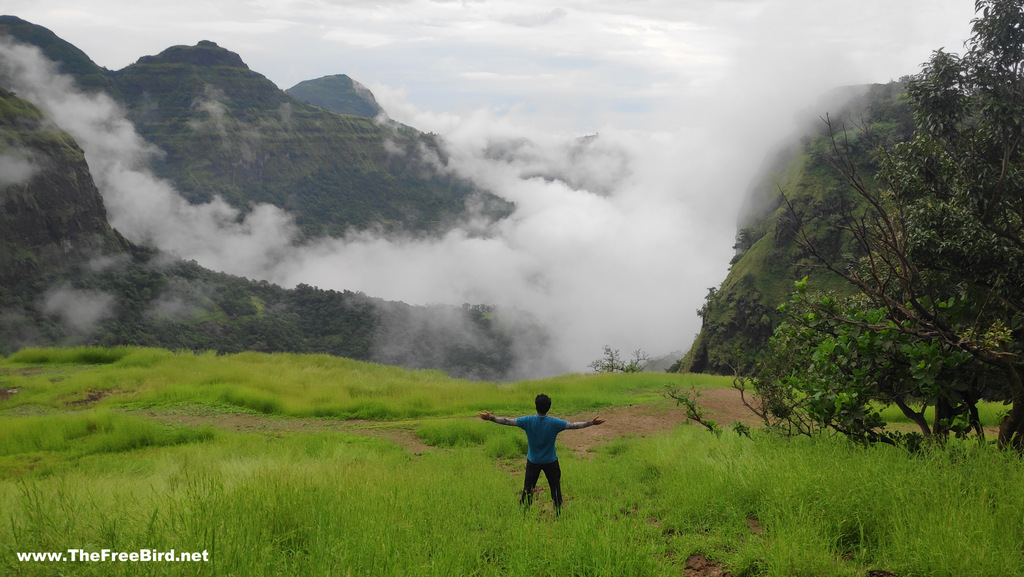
[(622, 221), (16, 167), (80, 311)]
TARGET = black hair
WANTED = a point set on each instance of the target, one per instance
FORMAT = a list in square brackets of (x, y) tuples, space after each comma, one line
[(543, 403)]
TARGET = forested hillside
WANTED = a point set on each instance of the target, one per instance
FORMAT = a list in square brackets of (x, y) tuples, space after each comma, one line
[(228, 131), (67, 277), (739, 316)]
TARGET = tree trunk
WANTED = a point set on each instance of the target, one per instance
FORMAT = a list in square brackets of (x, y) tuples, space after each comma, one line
[(913, 415), (1011, 430), (943, 411)]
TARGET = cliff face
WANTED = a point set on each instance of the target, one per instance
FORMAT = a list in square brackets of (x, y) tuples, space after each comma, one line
[(51, 214), (740, 316)]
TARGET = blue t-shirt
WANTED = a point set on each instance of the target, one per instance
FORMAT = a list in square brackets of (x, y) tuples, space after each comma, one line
[(540, 435)]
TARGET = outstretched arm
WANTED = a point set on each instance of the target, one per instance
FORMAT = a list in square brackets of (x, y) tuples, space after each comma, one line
[(583, 424), (487, 416)]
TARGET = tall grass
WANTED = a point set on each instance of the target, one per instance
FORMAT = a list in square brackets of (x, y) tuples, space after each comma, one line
[(299, 385), (338, 504), (90, 432), (498, 442), (318, 504)]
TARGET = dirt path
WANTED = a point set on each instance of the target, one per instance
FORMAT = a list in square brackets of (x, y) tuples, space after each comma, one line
[(722, 405), (399, 432)]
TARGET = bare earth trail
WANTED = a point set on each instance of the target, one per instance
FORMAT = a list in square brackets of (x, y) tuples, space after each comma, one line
[(722, 405)]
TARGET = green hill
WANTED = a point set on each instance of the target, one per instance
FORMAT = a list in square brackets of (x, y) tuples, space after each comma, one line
[(739, 316), (337, 93)]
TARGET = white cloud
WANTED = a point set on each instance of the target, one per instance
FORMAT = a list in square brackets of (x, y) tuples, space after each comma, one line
[(141, 206), (16, 167), (80, 311)]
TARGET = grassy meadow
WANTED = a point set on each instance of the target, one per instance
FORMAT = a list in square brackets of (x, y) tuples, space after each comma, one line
[(316, 465)]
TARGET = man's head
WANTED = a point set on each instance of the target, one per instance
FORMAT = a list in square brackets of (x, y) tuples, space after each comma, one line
[(543, 403)]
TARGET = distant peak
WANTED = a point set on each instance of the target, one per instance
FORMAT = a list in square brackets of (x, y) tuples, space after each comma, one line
[(205, 53), (338, 93)]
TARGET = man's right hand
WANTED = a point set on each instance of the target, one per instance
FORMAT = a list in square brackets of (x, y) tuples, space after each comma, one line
[(486, 415)]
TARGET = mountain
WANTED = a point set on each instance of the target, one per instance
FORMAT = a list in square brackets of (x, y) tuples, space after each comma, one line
[(740, 315), (69, 59), (68, 278), (51, 214), (228, 131), (337, 93)]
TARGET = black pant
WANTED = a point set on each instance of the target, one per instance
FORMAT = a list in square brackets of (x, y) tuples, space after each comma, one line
[(553, 473)]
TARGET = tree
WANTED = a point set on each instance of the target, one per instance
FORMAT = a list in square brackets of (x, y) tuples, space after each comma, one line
[(939, 317), (612, 362)]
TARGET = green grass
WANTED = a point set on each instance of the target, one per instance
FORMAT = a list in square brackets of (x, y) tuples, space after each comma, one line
[(297, 385), (274, 502), (90, 432)]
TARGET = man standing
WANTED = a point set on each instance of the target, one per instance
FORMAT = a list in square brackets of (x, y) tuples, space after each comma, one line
[(541, 431)]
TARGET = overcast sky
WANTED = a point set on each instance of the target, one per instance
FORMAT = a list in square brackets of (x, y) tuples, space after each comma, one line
[(580, 63), (688, 97)]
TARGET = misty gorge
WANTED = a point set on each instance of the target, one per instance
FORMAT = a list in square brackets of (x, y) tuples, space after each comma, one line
[(212, 210)]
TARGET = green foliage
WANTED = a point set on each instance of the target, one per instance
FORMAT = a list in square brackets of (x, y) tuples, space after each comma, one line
[(694, 412), (936, 322), (612, 362), (835, 364)]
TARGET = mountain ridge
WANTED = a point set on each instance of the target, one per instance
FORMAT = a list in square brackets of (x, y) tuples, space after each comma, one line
[(68, 278), (226, 130)]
